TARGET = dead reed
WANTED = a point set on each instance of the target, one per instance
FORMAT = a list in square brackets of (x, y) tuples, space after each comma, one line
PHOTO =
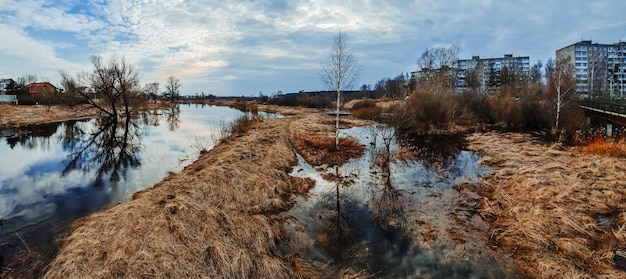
[(215, 219), (321, 149), (602, 146), (557, 212)]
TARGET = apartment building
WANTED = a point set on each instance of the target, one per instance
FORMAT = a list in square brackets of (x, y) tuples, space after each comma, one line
[(599, 69), (486, 73)]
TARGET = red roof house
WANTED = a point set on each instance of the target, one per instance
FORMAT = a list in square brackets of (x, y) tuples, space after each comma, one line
[(37, 88)]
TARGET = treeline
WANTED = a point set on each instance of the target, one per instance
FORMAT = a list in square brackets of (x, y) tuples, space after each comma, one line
[(535, 100), (518, 101)]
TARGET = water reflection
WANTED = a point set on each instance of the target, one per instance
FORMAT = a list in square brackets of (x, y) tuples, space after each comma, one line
[(48, 172), (173, 118), (110, 147), (377, 191)]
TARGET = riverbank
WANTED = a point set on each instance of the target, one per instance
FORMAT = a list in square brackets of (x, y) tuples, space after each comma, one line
[(18, 116), (216, 218)]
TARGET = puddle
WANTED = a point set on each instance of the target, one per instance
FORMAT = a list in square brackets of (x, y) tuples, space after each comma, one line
[(394, 218)]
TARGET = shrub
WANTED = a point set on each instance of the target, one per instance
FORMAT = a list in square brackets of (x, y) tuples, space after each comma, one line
[(424, 112), (601, 146), (366, 110), (505, 111)]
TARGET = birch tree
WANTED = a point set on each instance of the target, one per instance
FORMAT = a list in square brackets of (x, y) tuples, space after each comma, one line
[(560, 85), (340, 72)]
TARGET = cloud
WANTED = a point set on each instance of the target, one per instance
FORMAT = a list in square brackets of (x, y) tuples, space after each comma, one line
[(227, 44)]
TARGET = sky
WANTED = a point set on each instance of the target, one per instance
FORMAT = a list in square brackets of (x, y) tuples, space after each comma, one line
[(242, 48)]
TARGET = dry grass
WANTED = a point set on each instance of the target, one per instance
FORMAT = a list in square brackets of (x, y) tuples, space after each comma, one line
[(16, 116), (602, 146), (26, 264), (543, 205), (313, 136), (320, 149), (215, 219)]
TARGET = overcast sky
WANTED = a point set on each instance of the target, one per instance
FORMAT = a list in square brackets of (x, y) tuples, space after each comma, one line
[(238, 47)]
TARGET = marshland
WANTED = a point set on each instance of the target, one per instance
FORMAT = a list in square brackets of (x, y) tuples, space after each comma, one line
[(410, 180), (269, 195)]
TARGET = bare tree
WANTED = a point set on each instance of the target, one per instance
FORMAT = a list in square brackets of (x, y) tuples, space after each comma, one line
[(109, 87), (152, 89), (596, 74), (535, 72), (340, 72), (172, 88), (560, 85), (436, 68)]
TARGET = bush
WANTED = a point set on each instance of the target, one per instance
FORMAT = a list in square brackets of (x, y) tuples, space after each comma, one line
[(505, 111), (424, 112), (366, 110)]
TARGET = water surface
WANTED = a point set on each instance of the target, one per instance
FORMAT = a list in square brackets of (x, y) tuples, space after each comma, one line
[(377, 199), (55, 173)]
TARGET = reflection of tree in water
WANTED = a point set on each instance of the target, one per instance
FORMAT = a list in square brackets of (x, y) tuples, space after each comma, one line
[(31, 137), (173, 117), (386, 207), (346, 220), (110, 148), (436, 151)]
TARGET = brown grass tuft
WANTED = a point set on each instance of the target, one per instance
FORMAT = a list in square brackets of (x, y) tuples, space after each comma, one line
[(602, 146), (544, 206), (319, 149)]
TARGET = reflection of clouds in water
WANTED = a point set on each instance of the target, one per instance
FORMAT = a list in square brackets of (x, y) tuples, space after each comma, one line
[(30, 180), (381, 246), (20, 192), (18, 159)]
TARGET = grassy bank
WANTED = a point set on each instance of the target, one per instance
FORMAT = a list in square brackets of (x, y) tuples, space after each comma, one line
[(213, 219), (557, 212), (18, 116)]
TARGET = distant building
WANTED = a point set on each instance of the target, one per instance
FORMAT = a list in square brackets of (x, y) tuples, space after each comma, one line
[(4, 84), (598, 68), (38, 88), (489, 73)]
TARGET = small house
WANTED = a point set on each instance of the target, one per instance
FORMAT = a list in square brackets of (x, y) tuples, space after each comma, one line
[(41, 88)]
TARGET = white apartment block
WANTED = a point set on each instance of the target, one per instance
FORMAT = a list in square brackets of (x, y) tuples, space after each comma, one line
[(598, 68), (490, 71)]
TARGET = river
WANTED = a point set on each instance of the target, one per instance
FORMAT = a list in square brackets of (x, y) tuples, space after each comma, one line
[(53, 174)]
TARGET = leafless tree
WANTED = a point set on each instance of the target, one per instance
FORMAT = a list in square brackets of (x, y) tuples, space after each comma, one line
[(109, 87), (436, 68), (561, 85), (172, 88), (340, 72), (597, 71), (152, 89)]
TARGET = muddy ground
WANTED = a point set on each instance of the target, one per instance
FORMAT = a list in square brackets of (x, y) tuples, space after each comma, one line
[(545, 211)]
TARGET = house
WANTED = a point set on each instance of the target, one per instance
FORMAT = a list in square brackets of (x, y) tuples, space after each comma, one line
[(4, 84), (41, 88), (4, 87)]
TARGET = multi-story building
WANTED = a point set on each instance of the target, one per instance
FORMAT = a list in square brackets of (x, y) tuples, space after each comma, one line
[(486, 73), (598, 68)]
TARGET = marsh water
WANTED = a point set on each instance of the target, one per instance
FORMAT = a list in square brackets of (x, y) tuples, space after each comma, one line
[(368, 214), (53, 174)]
